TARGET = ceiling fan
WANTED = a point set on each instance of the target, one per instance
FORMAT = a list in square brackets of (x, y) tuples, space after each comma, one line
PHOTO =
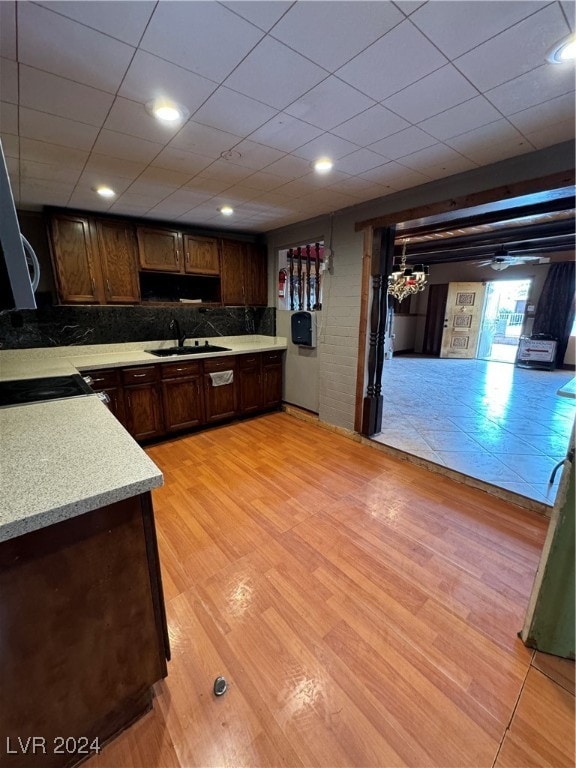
[(503, 260)]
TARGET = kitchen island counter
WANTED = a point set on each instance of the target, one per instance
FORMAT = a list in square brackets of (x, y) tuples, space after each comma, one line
[(63, 458)]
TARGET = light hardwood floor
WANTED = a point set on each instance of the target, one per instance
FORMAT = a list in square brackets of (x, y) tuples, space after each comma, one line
[(363, 610)]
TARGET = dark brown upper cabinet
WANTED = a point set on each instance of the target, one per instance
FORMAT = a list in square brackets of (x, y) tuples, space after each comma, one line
[(118, 252), (201, 256), (160, 250), (244, 274), (77, 277)]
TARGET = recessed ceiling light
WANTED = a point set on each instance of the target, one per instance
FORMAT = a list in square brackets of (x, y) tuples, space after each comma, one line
[(226, 210), (167, 111), (564, 52), (323, 165), (105, 192)]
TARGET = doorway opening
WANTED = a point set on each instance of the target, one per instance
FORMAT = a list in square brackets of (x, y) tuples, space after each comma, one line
[(503, 320)]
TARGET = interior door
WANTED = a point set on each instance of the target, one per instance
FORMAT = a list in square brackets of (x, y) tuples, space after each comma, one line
[(462, 320)]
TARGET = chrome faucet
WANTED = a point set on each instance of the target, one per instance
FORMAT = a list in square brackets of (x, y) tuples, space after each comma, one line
[(180, 337)]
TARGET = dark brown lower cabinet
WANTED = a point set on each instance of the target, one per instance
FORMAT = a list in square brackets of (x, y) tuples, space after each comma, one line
[(249, 387), (84, 635), (220, 399), (108, 380), (272, 377), (144, 418), (182, 395)]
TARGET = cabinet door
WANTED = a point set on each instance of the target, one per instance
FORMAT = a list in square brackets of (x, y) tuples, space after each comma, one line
[(79, 280), (183, 403), (143, 412), (232, 272), (220, 400), (271, 379), (256, 275), (117, 249), (159, 249), (201, 256), (249, 389)]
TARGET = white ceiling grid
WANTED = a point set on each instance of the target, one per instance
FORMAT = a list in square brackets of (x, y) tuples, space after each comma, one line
[(396, 93)]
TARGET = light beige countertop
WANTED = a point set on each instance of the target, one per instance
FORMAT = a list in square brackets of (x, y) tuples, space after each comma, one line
[(65, 457), (60, 361), (62, 458)]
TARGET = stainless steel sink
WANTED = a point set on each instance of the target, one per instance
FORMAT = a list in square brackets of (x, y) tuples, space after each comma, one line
[(191, 350)]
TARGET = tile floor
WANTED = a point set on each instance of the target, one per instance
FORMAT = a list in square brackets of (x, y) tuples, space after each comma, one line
[(499, 424)]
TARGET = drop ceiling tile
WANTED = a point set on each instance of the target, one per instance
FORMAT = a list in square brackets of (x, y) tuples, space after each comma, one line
[(150, 78), (8, 30), (513, 52), (262, 15), (398, 59), (403, 143), (554, 134), (262, 181), (253, 155), (569, 9), (114, 166), (90, 180), (89, 202), (285, 133), (40, 192), (164, 176), (209, 142), (56, 130), (129, 208), (485, 154), (206, 185), (289, 167), (149, 190), (8, 118), (179, 160), (448, 167), (204, 37), (409, 6), (541, 84), (429, 157), (175, 206), (462, 118), (147, 200), (359, 161), (126, 147), (9, 80), (274, 74), (231, 111), (457, 27), (332, 39), (543, 115), (236, 194), (329, 104), (42, 152), (370, 126), (31, 169), (289, 191), (470, 143), (327, 197), (63, 47), (130, 117), (225, 171), (11, 145), (394, 175), (13, 167), (58, 96), (432, 94), (356, 186), (124, 21), (324, 180), (326, 145)]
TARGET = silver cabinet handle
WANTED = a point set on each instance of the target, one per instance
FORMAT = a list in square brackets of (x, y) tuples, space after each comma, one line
[(138, 375), (104, 396), (89, 380)]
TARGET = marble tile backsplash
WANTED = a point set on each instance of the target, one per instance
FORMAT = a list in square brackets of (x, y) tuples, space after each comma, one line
[(76, 326)]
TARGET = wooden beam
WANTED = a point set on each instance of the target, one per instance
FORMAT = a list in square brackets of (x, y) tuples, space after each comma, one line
[(362, 331), (506, 192)]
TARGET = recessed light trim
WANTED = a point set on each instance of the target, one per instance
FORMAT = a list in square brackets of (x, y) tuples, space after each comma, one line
[(226, 210), (167, 111), (563, 52), (105, 191), (323, 165)]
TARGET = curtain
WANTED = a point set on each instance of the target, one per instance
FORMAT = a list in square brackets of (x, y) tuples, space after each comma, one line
[(555, 311)]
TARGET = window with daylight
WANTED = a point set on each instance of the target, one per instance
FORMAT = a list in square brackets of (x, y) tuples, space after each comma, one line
[(301, 270)]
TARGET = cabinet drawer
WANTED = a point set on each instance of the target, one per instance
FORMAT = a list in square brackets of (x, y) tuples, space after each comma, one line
[(249, 361), (271, 358), (103, 379), (219, 364), (176, 370), (140, 375)]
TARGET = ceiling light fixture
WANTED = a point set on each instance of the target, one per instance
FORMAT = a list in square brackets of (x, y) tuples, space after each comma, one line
[(323, 165), (167, 111), (105, 192), (226, 210), (563, 52), (404, 281)]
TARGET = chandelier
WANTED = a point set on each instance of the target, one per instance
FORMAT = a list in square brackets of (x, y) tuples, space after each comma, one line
[(404, 281)]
